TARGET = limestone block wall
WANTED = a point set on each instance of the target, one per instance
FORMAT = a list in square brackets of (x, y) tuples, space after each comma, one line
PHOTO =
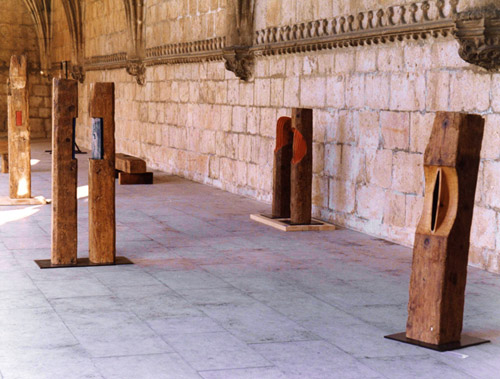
[(105, 27), (174, 21), (374, 106), (17, 35)]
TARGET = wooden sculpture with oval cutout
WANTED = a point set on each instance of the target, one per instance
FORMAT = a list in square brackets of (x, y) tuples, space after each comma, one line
[(440, 254)]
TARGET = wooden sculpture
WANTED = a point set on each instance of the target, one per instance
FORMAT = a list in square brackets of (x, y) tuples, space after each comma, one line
[(102, 228), (292, 176), (301, 171), (19, 130), (440, 253), (281, 168), (64, 172)]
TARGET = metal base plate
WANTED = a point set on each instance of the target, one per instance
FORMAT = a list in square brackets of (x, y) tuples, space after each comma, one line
[(83, 262), (465, 341)]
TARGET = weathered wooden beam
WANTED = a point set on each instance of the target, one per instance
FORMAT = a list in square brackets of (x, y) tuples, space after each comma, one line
[(19, 130), (440, 253), (142, 178), (301, 170), (64, 172), (130, 164), (102, 223), (281, 168)]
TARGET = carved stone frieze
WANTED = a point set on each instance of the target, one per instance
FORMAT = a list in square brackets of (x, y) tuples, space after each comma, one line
[(240, 61), (137, 69), (396, 23), (418, 20), (478, 32)]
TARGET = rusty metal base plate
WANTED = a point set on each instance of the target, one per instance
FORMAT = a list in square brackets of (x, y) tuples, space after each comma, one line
[(83, 262), (465, 341)]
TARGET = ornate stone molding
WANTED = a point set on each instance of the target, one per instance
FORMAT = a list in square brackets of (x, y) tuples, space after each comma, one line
[(419, 20), (478, 32), (106, 62), (186, 52), (413, 21)]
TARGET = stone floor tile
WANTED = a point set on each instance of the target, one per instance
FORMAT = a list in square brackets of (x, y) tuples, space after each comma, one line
[(195, 279), (157, 366), (244, 373), (184, 325), (63, 362), (217, 350), (314, 359), (54, 289), (419, 366), (104, 328)]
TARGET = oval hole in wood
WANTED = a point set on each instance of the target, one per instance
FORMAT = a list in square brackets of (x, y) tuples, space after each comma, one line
[(435, 200)]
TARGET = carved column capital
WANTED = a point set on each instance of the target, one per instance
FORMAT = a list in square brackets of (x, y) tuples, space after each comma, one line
[(137, 68), (78, 73), (478, 32), (240, 60)]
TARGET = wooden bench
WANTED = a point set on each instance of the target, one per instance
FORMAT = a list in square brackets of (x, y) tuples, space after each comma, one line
[(132, 170), (4, 154)]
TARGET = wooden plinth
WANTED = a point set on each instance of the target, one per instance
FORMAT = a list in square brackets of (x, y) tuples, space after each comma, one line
[(465, 341), (281, 168), (285, 225), (102, 223), (38, 200), (82, 262), (142, 178), (440, 253), (301, 169), (64, 172), (19, 130)]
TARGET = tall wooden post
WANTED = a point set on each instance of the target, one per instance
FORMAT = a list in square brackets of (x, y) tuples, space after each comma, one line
[(440, 253), (64, 172), (102, 228), (281, 168), (19, 130), (301, 171)]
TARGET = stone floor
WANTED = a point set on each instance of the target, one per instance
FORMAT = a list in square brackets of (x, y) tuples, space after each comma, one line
[(215, 295)]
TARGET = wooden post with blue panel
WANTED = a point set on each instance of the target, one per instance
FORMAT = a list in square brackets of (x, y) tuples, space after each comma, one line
[(102, 223)]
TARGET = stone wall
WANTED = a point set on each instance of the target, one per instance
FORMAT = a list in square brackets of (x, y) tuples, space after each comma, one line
[(18, 36), (373, 111)]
